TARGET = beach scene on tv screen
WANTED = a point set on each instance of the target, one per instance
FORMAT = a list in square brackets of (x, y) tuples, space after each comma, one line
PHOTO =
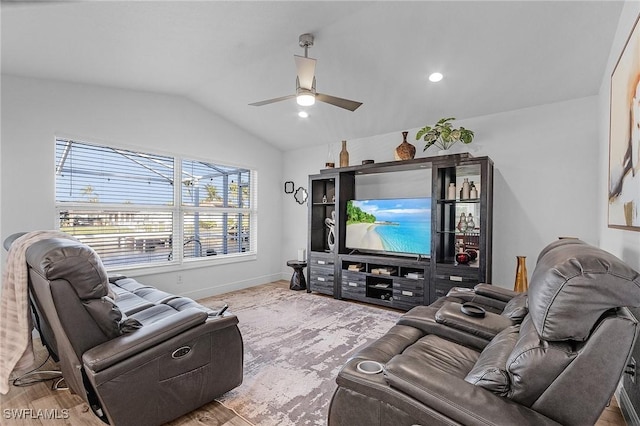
[(392, 225)]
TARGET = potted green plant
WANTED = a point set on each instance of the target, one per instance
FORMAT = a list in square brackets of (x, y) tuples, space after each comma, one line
[(443, 135)]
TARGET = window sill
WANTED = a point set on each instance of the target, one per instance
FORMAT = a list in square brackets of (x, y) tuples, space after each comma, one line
[(185, 265)]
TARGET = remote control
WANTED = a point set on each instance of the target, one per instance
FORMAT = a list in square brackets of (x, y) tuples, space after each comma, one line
[(221, 311)]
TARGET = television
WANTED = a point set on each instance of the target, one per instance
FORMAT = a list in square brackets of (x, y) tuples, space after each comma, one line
[(395, 225)]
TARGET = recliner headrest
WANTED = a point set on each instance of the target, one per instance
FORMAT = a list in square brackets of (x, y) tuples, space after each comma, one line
[(573, 285), (11, 238), (558, 243), (79, 264)]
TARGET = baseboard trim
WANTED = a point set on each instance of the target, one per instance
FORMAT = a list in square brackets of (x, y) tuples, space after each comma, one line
[(233, 286), (626, 407)]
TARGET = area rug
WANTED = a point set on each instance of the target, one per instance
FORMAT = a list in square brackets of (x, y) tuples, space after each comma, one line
[(294, 345)]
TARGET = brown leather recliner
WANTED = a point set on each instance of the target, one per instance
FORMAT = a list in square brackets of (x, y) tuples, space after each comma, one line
[(503, 308), (561, 365), (137, 355)]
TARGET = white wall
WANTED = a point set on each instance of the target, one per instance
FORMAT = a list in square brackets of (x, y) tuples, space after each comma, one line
[(34, 112), (545, 183), (622, 243)]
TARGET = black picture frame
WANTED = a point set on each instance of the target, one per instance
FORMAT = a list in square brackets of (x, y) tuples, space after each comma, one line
[(289, 187)]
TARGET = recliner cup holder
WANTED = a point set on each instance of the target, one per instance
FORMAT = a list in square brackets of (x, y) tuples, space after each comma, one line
[(369, 367)]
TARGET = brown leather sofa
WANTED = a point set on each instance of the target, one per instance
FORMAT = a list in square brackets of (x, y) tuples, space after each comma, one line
[(137, 355), (559, 365)]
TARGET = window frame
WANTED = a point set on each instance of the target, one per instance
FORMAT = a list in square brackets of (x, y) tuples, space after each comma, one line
[(178, 211)]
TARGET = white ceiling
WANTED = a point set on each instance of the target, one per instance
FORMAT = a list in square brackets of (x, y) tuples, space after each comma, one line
[(496, 56)]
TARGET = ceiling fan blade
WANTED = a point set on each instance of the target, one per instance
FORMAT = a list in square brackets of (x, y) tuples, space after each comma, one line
[(339, 102), (270, 101), (306, 68)]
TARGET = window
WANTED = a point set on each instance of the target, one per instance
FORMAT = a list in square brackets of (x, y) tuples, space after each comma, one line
[(124, 204)]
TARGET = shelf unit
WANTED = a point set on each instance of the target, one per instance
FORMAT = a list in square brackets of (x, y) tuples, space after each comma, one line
[(328, 269), (384, 280), (329, 193), (451, 233)]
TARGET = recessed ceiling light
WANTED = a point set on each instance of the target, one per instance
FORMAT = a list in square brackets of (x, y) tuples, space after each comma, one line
[(435, 77), (303, 114)]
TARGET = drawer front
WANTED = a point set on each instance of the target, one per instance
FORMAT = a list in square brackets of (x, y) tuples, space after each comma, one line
[(353, 289), (457, 273), (353, 285), (321, 277), (353, 277), (443, 286), (449, 276), (322, 271), (321, 285), (320, 260), (407, 299), (409, 284)]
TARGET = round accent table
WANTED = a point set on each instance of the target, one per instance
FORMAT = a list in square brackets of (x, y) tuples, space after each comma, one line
[(297, 279)]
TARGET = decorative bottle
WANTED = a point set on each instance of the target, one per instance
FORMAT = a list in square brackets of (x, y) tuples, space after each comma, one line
[(451, 192), (465, 189), (344, 155), (473, 191), (521, 284), (470, 223), (462, 223)]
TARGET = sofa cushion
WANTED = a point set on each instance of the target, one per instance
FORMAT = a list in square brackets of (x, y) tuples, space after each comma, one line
[(182, 303), (490, 370), (442, 354), (154, 295), (393, 342), (129, 303), (573, 285), (153, 314), (129, 284)]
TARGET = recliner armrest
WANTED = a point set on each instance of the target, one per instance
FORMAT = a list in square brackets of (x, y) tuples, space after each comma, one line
[(424, 318), (494, 292), (470, 295), (455, 398), (450, 314), (127, 345)]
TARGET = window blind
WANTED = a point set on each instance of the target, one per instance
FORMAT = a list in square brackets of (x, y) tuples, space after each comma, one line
[(124, 204)]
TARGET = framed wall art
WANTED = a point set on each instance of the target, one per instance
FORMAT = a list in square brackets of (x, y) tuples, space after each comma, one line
[(624, 137), (289, 187)]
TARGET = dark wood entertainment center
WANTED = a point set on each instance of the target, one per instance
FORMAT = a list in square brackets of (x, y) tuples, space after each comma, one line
[(403, 282)]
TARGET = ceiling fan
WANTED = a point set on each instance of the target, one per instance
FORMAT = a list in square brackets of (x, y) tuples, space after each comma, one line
[(306, 94)]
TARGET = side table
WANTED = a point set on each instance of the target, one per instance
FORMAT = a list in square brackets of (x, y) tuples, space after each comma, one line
[(297, 279)]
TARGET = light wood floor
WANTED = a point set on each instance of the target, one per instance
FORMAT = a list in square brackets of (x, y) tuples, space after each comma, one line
[(54, 402), (70, 409)]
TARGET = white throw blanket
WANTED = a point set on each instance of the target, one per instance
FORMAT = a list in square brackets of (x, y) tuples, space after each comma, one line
[(16, 348)]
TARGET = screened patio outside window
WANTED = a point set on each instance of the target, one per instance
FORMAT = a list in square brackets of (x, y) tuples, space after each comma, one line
[(124, 204)]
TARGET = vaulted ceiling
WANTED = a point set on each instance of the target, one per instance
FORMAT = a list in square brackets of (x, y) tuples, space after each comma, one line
[(495, 56)]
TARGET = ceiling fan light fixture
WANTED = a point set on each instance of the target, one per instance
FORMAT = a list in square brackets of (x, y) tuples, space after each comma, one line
[(306, 94), (306, 99), (435, 77)]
